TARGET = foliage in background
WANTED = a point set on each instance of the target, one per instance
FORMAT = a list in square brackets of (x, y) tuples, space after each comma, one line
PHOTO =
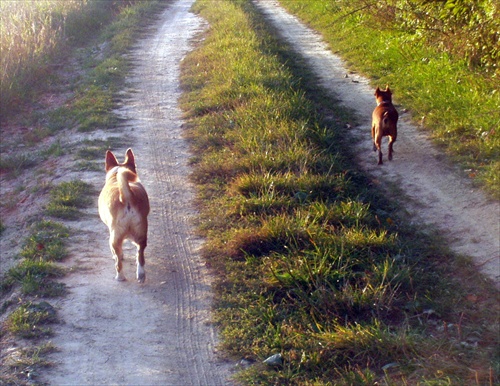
[(418, 47), (467, 29), (30, 32), (312, 263)]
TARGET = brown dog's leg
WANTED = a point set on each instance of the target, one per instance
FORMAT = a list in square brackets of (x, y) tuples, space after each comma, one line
[(391, 142), (378, 146), (390, 148), (377, 142), (373, 138), (117, 251)]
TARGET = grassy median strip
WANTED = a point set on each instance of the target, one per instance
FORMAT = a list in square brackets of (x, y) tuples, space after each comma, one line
[(313, 263)]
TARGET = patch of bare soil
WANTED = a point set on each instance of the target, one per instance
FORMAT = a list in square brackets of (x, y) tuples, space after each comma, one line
[(435, 193), (160, 332)]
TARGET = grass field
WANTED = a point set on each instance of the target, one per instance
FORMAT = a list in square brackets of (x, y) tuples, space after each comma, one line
[(312, 262), (36, 34), (31, 33)]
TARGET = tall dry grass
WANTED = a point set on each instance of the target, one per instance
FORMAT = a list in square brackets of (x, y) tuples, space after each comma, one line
[(30, 32)]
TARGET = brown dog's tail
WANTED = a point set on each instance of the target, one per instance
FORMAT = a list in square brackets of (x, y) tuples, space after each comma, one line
[(123, 176)]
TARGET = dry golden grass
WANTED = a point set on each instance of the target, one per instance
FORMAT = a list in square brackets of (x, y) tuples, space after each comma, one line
[(30, 32)]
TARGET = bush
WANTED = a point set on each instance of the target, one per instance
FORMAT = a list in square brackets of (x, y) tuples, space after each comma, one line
[(467, 29)]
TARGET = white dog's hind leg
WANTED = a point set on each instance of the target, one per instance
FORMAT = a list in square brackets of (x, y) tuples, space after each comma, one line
[(141, 273), (116, 250)]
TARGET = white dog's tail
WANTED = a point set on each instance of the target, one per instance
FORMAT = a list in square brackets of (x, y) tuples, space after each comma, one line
[(122, 177)]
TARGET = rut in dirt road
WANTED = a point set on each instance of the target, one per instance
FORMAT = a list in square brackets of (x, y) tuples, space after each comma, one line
[(435, 192), (158, 333)]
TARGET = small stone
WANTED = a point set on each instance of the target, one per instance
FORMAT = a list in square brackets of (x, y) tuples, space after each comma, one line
[(274, 360)]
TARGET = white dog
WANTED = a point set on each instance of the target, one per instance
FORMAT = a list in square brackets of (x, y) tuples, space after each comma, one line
[(124, 208)]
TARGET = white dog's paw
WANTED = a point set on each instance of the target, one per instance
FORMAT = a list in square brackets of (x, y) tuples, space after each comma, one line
[(141, 274)]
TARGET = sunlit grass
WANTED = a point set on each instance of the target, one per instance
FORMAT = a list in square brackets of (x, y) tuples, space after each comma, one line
[(46, 242), (30, 32), (67, 198), (312, 262)]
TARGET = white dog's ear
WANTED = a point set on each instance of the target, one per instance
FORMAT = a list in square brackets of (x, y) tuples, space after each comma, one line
[(111, 161), (129, 156), (130, 160)]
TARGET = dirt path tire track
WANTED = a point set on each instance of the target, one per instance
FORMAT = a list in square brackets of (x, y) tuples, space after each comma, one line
[(435, 193), (158, 333)]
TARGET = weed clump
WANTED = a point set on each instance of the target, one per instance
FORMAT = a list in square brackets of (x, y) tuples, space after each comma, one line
[(46, 242), (67, 198), (36, 278), (30, 320)]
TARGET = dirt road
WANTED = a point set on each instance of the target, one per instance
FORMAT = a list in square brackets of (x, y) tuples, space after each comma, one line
[(158, 333), (436, 193)]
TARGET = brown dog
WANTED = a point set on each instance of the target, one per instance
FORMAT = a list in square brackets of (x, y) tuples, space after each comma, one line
[(384, 122), (124, 208)]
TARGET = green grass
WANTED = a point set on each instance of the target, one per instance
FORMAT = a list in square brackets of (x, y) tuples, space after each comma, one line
[(26, 364), (96, 149), (92, 108), (35, 278), (30, 320), (67, 198), (46, 242), (45, 246), (312, 261), (33, 357), (93, 105), (459, 106), (15, 164)]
